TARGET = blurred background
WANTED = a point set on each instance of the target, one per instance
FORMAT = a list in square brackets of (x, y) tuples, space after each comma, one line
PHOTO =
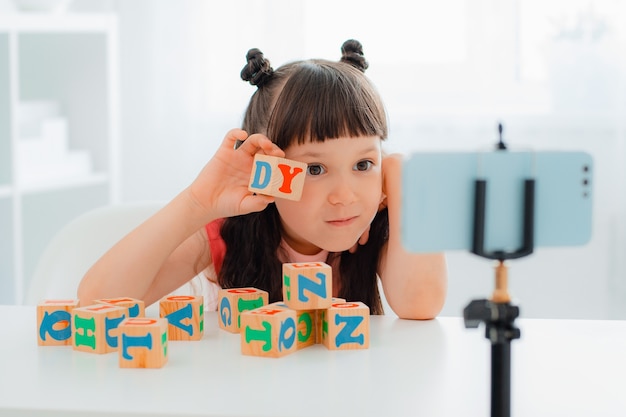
[(105, 101)]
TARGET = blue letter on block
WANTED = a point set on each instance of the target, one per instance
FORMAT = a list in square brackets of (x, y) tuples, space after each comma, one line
[(226, 313), (260, 167), (49, 320), (110, 324), (304, 283), (135, 341), (133, 311), (177, 317), (345, 335), (285, 327)]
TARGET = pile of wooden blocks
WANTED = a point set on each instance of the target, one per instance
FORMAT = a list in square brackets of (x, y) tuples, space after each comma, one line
[(119, 324), (307, 315)]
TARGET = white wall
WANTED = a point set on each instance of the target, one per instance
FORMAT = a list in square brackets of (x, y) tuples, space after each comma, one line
[(552, 71)]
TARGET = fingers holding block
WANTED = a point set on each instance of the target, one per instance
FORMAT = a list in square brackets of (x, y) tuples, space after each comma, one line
[(54, 322), (346, 326), (269, 332), (307, 286), (143, 342), (278, 177), (185, 315), (95, 327), (233, 301)]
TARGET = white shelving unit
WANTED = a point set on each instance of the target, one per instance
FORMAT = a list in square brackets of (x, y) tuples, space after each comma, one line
[(68, 62)]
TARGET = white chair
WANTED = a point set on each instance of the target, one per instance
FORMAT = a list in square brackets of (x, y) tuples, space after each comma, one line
[(79, 245)]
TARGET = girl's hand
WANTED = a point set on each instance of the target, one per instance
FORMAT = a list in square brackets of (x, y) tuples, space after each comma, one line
[(221, 188)]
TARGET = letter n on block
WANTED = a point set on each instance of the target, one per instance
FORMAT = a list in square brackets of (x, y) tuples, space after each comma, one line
[(268, 332), (95, 327), (143, 343), (278, 177), (136, 307), (233, 301), (346, 326), (54, 322), (185, 315), (307, 286)]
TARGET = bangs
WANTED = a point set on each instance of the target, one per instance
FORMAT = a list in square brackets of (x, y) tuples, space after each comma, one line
[(325, 100)]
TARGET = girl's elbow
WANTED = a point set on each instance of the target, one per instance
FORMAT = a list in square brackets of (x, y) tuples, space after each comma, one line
[(418, 313), (424, 309)]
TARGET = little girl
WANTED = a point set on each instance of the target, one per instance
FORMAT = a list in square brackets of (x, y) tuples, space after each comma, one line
[(329, 116)]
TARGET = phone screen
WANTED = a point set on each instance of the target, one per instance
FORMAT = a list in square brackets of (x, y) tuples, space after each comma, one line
[(438, 193)]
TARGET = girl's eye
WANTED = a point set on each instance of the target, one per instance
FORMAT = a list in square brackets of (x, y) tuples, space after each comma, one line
[(363, 165), (313, 169)]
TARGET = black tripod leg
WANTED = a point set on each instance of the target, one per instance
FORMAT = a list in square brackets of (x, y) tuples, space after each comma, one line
[(501, 379)]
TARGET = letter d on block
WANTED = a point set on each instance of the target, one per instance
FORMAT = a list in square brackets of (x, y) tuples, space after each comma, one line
[(261, 175)]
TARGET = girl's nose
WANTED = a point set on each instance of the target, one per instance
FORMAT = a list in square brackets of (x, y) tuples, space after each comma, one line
[(342, 192)]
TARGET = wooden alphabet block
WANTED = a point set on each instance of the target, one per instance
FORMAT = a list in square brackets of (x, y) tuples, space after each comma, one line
[(319, 319), (143, 342), (233, 301), (306, 325), (185, 315), (278, 177), (95, 327), (54, 322), (136, 307), (268, 332), (346, 326), (307, 286)]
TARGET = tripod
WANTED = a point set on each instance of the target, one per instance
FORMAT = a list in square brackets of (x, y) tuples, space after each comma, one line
[(499, 314)]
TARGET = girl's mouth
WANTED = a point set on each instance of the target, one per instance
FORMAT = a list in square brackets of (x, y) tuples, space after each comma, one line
[(342, 222)]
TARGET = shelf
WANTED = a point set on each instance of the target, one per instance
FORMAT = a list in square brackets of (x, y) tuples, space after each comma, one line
[(70, 60), (63, 184)]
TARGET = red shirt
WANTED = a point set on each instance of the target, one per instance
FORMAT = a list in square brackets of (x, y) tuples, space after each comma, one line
[(216, 243)]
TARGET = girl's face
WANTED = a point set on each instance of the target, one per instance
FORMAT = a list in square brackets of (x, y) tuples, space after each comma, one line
[(341, 195)]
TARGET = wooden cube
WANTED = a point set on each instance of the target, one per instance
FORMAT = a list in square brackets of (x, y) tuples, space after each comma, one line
[(277, 177), (233, 301), (95, 327), (319, 319), (54, 322), (185, 315), (143, 342), (346, 326), (307, 286), (306, 325), (268, 332), (136, 307)]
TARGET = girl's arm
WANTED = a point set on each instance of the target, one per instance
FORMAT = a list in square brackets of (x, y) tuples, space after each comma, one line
[(414, 284), (170, 248)]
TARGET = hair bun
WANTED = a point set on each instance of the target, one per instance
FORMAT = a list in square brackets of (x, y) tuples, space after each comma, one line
[(258, 69), (352, 53)]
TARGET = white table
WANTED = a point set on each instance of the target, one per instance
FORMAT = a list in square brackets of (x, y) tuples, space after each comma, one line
[(433, 368)]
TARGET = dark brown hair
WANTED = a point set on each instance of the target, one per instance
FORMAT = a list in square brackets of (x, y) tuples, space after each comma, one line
[(312, 100)]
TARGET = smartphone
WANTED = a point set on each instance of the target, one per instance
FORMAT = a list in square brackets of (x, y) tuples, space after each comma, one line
[(438, 199)]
